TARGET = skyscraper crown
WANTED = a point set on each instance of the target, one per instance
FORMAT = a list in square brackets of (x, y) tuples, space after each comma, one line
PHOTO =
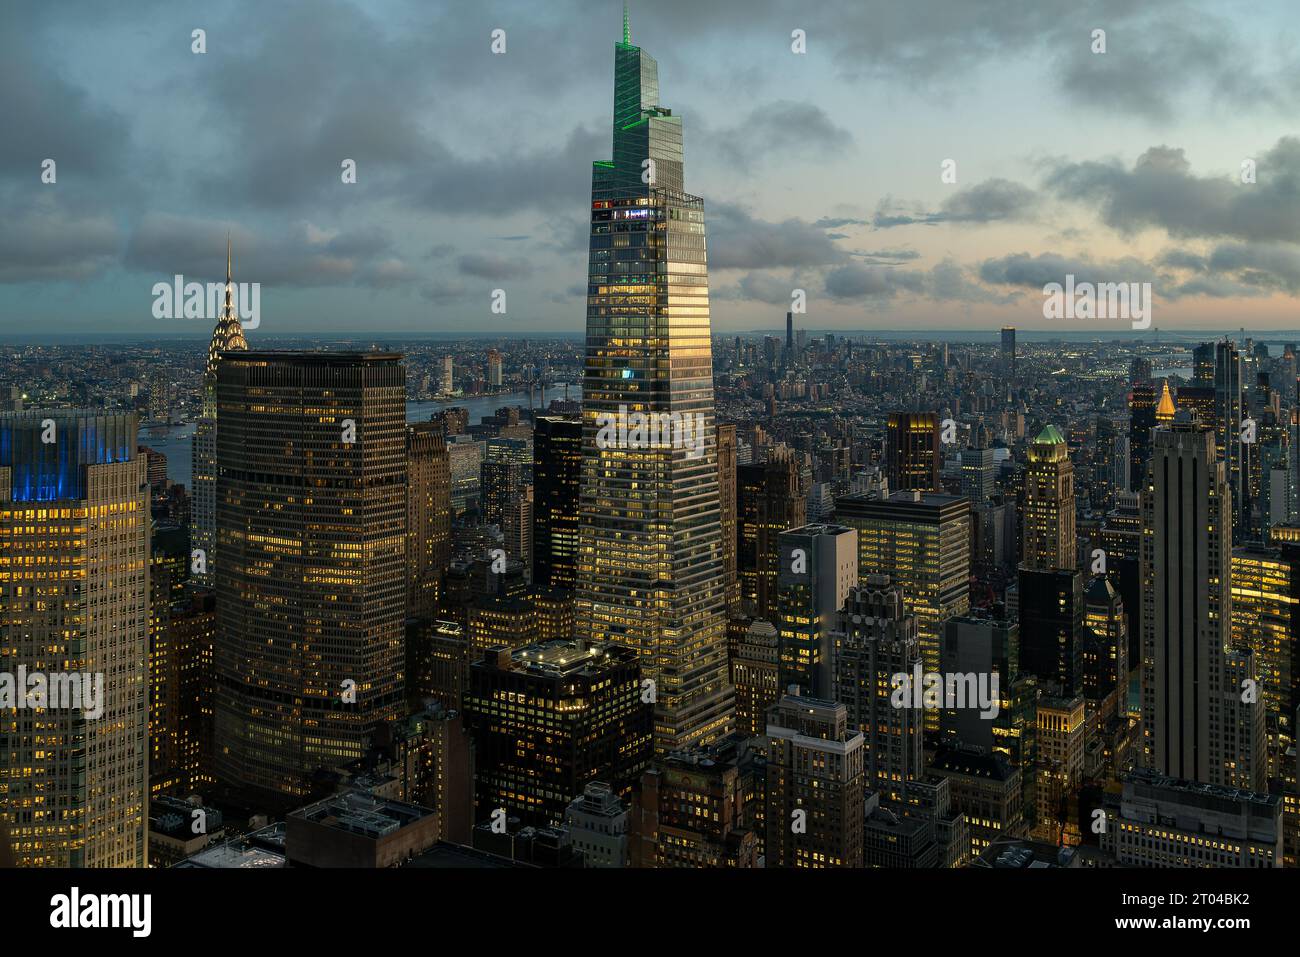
[(227, 336), (1050, 435)]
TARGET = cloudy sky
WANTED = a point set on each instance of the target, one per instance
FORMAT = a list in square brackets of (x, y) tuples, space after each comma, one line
[(820, 171)]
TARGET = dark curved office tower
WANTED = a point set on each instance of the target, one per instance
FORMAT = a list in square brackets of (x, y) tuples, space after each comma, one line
[(650, 567)]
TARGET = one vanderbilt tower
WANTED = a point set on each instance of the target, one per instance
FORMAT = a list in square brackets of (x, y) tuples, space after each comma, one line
[(650, 567)]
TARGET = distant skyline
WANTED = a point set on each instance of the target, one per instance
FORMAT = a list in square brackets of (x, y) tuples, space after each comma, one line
[(819, 171), (1152, 338)]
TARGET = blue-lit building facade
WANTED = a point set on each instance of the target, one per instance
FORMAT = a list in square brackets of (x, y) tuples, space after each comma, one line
[(74, 609)]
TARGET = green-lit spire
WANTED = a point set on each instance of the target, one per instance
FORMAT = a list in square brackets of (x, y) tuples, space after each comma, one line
[(627, 29)]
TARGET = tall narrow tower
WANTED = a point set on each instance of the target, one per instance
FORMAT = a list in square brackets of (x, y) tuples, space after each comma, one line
[(226, 337), (1228, 413), (1049, 533), (650, 566), (1051, 586), (1196, 724)]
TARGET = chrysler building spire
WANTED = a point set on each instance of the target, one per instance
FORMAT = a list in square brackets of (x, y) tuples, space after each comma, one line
[(228, 334)]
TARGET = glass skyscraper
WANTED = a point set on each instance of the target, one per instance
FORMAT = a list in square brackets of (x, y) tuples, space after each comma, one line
[(650, 566)]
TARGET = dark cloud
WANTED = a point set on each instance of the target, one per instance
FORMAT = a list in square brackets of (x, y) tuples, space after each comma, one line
[(947, 281), (444, 291), (47, 241), (1022, 269), (494, 267), (858, 282), (739, 240), (1182, 259), (1228, 270), (763, 287), (950, 281), (887, 257), (994, 200), (1266, 266), (781, 130), (163, 245), (46, 116), (1161, 191), (830, 222), (1158, 61)]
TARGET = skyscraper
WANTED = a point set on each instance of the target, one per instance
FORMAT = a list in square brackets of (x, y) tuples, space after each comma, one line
[(1142, 419), (517, 527), (1229, 409), (557, 475), (978, 475), (1059, 742), (874, 640), (585, 721), (818, 565), (922, 543), (769, 499), (1266, 619), (1105, 654), (1193, 722), (815, 785), (428, 519), (1009, 353), (1048, 518), (1051, 587), (74, 609), (650, 565), (981, 645), (228, 336), (755, 674), (187, 682), (912, 451), (727, 496), (1051, 612), (311, 600), (501, 482), (700, 808)]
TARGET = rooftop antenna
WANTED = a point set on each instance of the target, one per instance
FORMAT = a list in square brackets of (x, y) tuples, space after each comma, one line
[(627, 30)]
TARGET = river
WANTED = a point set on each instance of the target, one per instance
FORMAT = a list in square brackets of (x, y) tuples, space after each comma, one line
[(174, 441)]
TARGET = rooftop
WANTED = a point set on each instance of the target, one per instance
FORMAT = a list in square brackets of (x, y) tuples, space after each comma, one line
[(360, 813), (565, 657)]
